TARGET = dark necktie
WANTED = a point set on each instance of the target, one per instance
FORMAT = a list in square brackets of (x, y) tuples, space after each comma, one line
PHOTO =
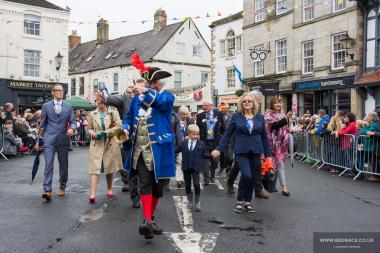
[(191, 146)]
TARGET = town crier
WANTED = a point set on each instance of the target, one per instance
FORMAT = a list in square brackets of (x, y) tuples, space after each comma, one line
[(151, 148)]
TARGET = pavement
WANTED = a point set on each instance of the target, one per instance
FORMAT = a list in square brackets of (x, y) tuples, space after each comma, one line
[(319, 202)]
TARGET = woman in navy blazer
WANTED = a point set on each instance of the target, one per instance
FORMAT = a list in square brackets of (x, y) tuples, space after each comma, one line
[(251, 141)]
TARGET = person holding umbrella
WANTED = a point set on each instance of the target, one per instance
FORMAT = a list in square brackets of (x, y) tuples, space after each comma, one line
[(105, 153), (57, 124)]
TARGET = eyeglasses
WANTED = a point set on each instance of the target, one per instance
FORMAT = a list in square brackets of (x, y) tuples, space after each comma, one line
[(99, 102), (58, 90), (247, 101)]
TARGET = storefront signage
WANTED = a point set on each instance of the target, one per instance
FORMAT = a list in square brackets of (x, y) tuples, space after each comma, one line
[(229, 99), (333, 83), (187, 90), (266, 89), (29, 85)]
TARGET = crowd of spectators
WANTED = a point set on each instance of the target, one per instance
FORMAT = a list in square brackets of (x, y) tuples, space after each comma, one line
[(19, 131)]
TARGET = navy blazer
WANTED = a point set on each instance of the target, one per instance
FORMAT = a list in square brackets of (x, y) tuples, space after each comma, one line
[(256, 142), (201, 153), (219, 126)]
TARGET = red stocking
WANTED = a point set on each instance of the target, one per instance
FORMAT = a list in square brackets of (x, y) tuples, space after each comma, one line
[(154, 204), (147, 203)]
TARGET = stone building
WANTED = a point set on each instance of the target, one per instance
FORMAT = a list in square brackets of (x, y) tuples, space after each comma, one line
[(313, 53), (33, 51), (178, 48), (227, 51)]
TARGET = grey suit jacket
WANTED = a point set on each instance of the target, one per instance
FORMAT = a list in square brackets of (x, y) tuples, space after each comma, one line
[(54, 126), (120, 102)]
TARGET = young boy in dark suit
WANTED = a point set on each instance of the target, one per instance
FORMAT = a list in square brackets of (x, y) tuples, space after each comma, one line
[(193, 154)]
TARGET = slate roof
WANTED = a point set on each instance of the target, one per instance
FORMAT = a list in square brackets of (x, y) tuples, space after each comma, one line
[(119, 51), (39, 3)]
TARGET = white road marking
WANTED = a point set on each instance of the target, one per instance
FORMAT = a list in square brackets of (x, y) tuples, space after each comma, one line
[(189, 241)]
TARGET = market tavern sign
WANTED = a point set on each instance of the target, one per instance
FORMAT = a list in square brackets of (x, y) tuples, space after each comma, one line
[(29, 85)]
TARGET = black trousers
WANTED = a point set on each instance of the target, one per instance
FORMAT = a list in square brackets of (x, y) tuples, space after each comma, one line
[(133, 181), (258, 185), (209, 172), (147, 182), (187, 175)]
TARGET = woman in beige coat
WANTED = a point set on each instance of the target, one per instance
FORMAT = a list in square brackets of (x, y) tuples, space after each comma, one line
[(105, 156)]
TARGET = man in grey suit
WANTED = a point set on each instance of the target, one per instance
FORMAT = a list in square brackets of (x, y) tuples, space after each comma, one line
[(57, 123)]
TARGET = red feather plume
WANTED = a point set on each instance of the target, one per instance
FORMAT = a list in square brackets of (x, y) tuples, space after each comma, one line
[(139, 64)]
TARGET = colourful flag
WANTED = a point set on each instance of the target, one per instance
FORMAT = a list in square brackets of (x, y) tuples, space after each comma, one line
[(238, 72)]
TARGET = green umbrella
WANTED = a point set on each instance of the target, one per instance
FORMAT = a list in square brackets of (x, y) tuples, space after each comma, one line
[(79, 103)]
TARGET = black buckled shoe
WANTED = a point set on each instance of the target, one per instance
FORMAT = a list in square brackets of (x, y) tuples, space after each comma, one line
[(146, 229), (156, 229)]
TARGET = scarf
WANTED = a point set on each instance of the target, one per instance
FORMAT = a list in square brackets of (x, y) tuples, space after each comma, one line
[(278, 138)]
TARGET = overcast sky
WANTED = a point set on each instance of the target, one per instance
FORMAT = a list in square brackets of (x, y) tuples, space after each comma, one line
[(119, 10)]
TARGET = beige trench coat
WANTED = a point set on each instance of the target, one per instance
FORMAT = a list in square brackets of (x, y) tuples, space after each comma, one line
[(108, 151)]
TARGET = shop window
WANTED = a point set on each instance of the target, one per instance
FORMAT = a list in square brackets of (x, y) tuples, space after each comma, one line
[(32, 63), (338, 52), (341, 100), (258, 63), (73, 86), (32, 25), (177, 79), (306, 103), (281, 56), (230, 78), (339, 5), (259, 10), (281, 6), (308, 57), (81, 86), (308, 10)]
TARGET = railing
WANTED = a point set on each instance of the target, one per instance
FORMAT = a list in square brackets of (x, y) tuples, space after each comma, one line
[(80, 136), (357, 155), (367, 156), (2, 142)]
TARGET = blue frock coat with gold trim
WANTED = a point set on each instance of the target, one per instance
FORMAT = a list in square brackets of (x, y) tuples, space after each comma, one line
[(161, 135)]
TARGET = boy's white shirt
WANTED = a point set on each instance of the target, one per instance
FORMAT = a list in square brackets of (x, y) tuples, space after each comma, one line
[(189, 144)]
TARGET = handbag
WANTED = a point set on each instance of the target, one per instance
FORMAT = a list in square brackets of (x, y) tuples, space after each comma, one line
[(267, 173)]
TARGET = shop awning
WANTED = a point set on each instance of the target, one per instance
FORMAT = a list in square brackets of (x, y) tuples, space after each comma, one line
[(79, 103), (370, 78)]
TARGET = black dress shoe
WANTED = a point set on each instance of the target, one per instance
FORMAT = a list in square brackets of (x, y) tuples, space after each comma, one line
[(156, 229), (287, 194), (146, 229)]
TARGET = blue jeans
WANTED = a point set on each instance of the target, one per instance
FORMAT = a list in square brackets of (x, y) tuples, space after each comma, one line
[(249, 165)]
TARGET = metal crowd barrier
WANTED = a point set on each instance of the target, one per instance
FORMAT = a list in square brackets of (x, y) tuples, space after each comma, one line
[(367, 156), (314, 149), (80, 136), (2, 142), (339, 152), (301, 143)]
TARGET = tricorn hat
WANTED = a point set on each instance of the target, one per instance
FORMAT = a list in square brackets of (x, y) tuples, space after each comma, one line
[(148, 73)]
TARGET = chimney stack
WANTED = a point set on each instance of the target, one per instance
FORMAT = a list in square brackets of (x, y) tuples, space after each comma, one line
[(160, 20), (102, 31), (74, 39)]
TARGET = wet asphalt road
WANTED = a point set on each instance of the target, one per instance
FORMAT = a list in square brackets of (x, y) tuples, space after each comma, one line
[(319, 202)]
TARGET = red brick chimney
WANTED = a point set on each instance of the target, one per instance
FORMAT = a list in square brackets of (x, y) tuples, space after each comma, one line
[(74, 39)]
